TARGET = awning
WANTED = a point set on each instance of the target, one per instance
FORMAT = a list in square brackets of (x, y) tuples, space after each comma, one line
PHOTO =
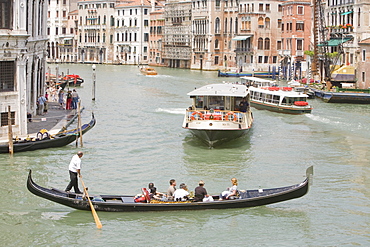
[(335, 42), (94, 18), (346, 13), (238, 38)]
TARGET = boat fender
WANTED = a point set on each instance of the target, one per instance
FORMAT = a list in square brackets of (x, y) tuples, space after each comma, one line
[(196, 113)]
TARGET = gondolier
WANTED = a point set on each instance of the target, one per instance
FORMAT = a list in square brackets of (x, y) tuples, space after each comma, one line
[(74, 170)]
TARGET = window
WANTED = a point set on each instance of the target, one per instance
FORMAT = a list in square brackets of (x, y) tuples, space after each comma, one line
[(216, 44), (216, 60), (260, 59), (266, 59), (300, 10), (260, 22), (145, 11), (7, 71), (278, 45), (260, 44), (299, 45), (363, 55), (146, 37), (146, 23), (267, 7), (267, 22), (218, 3), (267, 44), (300, 26), (4, 118), (260, 7), (217, 25)]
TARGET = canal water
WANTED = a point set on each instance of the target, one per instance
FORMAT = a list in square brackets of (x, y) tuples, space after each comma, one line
[(138, 139)]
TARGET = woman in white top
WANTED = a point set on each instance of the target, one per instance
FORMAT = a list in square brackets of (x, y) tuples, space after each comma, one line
[(232, 191)]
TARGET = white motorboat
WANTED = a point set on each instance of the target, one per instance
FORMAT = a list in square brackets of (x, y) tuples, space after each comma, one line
[(219, 113), (266, 95)]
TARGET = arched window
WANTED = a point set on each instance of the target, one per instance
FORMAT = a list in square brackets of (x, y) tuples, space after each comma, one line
[(260, 22), (260, 44), (267, 22), (231, 25), (217, 25), (267, 44)]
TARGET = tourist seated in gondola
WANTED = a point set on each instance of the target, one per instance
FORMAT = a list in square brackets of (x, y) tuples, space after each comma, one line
[(230, 193), (182, 193), (153, 193)]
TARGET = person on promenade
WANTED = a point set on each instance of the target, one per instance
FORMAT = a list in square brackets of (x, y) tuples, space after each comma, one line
[(200, 193), (61, 98), (74, 171), (75, 99), (69, 100), (40, 104), (171, 190)]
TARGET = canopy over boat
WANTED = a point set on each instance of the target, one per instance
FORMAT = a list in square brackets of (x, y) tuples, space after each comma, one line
[(124, 203), (225, 89)]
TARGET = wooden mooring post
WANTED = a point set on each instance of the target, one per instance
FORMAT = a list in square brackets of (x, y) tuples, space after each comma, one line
[(10, 131)]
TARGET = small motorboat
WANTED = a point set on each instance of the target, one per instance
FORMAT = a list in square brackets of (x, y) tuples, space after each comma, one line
[(148, 71)]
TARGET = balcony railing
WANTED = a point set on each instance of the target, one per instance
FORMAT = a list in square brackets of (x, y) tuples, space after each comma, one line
[(243, 49)]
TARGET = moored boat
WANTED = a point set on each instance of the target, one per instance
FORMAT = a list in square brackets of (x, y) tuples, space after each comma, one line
[(126, 203), (264, 74), (148, 71), (219, 113), (266, 95), (44, 140)]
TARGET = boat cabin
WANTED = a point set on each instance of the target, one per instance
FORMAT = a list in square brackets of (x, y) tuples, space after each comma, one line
[(224, 97)]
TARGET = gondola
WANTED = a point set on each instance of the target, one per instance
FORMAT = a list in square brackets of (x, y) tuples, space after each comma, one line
[(43, 140), (124, 203)]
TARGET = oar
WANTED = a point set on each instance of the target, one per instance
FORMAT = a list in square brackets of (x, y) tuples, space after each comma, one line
[(95, 215)]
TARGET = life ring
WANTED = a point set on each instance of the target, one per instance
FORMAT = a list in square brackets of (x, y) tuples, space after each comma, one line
[(211, 117), (196, 113), (229, 114)]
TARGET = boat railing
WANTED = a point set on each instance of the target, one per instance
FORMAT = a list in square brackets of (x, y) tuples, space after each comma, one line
[(215, 115)]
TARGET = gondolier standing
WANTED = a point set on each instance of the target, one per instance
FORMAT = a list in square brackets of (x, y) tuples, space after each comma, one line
[(74, 170)]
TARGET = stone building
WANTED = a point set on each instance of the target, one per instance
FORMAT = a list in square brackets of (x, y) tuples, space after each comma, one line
[(131, 42), (22, 61), (59, 31), (177, 45), (96, 27), (156, 37), (295, 26), (363, 65)]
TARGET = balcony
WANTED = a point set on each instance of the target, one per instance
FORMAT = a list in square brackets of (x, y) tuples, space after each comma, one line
[(243, 50)]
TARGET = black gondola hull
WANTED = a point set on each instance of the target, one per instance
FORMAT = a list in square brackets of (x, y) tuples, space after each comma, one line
[(122, 203), (60, 140)]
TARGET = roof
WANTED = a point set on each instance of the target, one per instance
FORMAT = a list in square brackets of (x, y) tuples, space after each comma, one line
[(226, 89), (280, 92)]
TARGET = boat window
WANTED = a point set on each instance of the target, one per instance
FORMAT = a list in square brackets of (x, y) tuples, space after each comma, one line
[(199, 102), (216, 102)]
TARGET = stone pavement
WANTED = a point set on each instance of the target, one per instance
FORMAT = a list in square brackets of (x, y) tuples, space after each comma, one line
[(53, 120)]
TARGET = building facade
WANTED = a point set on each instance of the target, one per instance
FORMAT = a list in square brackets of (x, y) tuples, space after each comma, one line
[(22, 61)]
